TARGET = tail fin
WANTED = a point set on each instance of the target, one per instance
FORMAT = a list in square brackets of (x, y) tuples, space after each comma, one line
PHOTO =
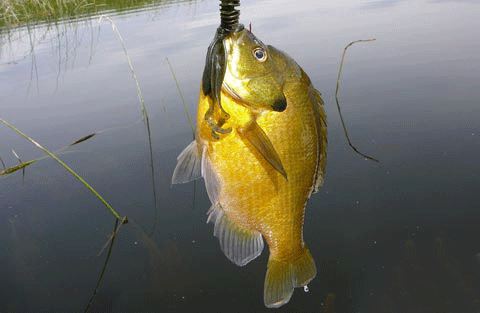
[(282, 276)]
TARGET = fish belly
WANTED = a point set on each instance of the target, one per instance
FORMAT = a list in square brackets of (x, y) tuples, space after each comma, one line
[(254, 194), (256, 197)]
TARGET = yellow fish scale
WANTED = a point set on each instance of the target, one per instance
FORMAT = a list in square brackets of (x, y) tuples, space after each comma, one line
[(253, 194)]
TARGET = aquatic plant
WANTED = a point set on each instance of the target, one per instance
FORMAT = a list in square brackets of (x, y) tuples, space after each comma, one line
[(118, 219), (338, 104), (15, 13), (65, 166)]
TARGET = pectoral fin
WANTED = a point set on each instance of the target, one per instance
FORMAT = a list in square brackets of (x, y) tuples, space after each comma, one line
[(259, 140), (188, 165)]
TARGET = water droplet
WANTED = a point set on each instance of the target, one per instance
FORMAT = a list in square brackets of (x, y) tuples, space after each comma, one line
[(135, 242), (357, 202), (305, 288), (194, 241)]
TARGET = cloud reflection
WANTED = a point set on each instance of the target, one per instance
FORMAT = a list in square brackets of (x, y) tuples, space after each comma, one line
[(380, 4), (464, 1)]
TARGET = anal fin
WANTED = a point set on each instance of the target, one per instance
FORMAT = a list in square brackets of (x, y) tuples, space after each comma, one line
[(240, 245)]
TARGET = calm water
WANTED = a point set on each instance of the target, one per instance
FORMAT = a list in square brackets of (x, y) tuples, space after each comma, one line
[(399, 236)]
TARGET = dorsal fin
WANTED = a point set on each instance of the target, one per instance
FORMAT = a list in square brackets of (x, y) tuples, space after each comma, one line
[(321, 125)]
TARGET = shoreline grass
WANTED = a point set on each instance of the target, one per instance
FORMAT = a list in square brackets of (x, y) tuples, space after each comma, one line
[(18, 13), (15, 13)]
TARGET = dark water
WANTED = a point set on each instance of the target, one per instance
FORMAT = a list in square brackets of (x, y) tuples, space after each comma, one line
[(399, 236)]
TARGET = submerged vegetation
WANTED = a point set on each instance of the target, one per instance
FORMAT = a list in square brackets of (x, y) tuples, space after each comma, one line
[(15, 13), (4, 170)]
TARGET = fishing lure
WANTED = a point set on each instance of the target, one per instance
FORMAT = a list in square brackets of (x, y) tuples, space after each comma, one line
[(215, 66)]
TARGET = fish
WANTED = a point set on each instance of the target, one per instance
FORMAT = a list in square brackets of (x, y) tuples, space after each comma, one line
[(260, 173)]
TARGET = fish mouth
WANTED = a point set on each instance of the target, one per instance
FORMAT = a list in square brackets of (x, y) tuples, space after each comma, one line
[(278, 106)]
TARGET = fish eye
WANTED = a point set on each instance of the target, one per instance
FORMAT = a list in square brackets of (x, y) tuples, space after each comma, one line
[(260, 54)]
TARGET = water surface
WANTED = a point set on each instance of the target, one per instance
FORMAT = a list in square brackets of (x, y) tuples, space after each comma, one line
[(399, 236)]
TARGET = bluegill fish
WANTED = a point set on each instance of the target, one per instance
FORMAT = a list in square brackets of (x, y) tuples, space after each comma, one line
[(262, 168)]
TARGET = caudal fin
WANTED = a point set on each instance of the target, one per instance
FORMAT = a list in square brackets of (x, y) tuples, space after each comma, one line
[(283, 276)]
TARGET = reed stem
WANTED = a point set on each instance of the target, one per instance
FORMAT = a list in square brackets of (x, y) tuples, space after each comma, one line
[(53, 156)]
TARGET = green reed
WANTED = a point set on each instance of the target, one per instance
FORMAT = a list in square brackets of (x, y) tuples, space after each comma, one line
[(15, 13), (338, 103), (65, 166)]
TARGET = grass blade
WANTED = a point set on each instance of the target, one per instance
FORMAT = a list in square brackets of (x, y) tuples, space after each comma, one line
[(82, 139), (3, 164), (189, 120), (53, 156), (116, 227), (144, 114), (183, 98), (338, 105), (15, 168)]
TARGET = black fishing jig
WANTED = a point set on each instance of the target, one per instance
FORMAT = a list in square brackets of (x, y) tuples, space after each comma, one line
[(216, 65)]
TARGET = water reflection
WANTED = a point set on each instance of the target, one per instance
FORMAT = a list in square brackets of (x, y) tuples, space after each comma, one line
[(399, 236), (19, 13)]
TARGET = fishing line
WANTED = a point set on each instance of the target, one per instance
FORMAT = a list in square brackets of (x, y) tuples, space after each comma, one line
[(229, 16)]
